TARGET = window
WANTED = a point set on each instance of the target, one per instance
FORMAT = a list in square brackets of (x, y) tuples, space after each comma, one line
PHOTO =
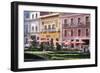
[(36, 28), (45, 27), (65, 21), (77, 40), (32, 16), (65, 33), (32, 28), (49, 27), (36, 15), (57, 39), (42, 23), (33, 37), (52, 39), (72, 21), (87, 20), (79, 32), (79, 20), (87, 32), (37, 38), (72, 40), (53, 26), (71, 32)]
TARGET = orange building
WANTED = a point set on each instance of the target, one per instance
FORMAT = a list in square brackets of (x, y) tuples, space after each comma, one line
[(50, 28)]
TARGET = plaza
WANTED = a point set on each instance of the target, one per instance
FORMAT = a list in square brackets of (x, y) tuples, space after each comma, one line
[(57, 35)]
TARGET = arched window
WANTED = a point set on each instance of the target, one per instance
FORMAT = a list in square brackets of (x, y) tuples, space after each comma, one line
[(71, 32), (49, 27), (79, 20), (45, 27), (53, 26), (32, 28), (72, 21), (65, 21), (79, 32), (87, 20), (65, 33), (57, 39), (87, 32)]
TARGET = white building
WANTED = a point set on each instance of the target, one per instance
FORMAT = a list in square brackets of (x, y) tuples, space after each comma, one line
[(34, 20), (31, 27)]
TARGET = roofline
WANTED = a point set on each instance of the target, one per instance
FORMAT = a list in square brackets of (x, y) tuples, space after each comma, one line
[(49, 15)]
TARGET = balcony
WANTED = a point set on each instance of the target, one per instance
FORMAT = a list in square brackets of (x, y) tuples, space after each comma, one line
[(50, 30), (76, 25), (69, 25), (65, 25)]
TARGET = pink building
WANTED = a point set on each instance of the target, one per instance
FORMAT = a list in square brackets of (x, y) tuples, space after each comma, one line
[(76, 29)]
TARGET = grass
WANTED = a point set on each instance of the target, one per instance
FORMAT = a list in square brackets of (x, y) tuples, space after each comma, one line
[(60, 55)]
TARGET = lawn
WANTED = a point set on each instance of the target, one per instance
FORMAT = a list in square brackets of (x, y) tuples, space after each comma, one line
[(59, 55)]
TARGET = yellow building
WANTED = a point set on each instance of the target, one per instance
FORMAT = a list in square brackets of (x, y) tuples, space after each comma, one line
[(50, 28)]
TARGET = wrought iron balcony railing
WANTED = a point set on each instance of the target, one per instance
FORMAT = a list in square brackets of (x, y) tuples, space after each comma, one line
[(77, 25), (50, 30)]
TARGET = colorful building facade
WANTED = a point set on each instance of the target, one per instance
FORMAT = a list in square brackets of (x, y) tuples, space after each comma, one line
[(76, 29), (50, 28), (31, 27), (73, 28), (35, 25)]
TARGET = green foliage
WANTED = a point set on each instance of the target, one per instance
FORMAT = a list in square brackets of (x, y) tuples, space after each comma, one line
[(62, 56), (71, 55), (58, 47)]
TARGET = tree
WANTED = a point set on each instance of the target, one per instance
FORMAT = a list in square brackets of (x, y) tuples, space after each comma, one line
[(58, 46), (33, 45), (51, 44), (41, 46)]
